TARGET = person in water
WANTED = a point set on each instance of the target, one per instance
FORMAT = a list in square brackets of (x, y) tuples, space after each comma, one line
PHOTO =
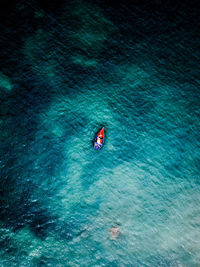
[(114, 232)]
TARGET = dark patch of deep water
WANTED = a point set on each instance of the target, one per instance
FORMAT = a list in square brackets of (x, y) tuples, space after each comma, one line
[(66, 69)]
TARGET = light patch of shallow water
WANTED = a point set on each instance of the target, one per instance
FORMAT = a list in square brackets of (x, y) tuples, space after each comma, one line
[(124, 190), (92, 28), (87, 107), (81, 60), (89, 29), (42, 56), (5, 82)]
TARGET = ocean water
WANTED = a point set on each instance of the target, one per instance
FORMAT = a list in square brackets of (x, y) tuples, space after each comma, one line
[(66, 70)]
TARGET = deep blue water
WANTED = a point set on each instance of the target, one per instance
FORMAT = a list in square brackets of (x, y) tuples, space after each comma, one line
[(66, 70)]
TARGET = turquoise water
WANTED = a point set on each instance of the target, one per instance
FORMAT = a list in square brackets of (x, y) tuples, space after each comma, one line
[(72, 69)]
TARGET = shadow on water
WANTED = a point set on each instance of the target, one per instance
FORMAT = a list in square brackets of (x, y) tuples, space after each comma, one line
[(21, 110), (17, 208)]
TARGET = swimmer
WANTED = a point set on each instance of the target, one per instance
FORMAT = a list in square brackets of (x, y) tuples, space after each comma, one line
[(114, 232)]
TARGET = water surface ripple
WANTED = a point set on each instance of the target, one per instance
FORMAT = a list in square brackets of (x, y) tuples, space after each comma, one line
[(68, 70)]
